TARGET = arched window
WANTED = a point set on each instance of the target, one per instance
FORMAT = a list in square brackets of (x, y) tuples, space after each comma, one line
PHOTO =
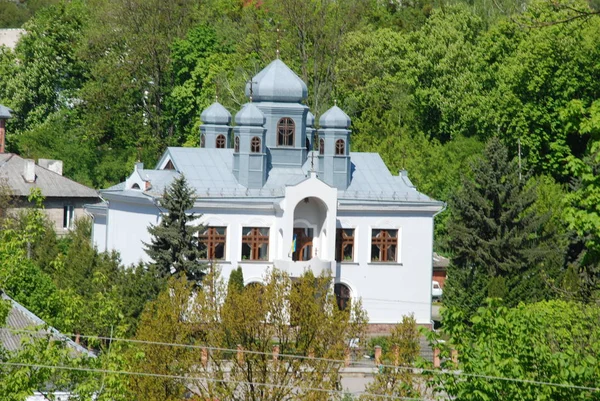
[(340, 147), (202, 141), (255, 145), (321, 146), (285, 132), (236, 144), (135, 186), (221, 141), (342, 295)]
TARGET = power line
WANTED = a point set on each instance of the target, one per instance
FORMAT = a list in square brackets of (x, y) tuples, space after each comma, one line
[(291, 356), (208, 379)]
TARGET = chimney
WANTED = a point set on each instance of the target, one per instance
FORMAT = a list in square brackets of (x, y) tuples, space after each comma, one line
[(56, 166), (4, 115), (29, 170)]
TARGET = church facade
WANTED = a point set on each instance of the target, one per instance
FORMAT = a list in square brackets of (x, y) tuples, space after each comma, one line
[(267, 199)]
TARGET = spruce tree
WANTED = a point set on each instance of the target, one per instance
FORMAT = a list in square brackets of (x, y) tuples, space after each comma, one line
[(495, 235), (174, 244)]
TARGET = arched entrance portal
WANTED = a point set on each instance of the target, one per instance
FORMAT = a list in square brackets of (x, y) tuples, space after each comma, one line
[(309, 228)]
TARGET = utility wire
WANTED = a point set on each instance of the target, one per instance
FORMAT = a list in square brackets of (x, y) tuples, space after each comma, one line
[(291, 356), (208, 379)]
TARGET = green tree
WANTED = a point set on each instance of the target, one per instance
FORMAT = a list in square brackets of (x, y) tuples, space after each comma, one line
[(49, 71), (496, 238), (550, 341), (403, 351), (165, 320), (261, 313), (174, 245)]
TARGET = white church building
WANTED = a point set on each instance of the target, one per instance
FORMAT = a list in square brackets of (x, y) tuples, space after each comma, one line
[(268, 200)]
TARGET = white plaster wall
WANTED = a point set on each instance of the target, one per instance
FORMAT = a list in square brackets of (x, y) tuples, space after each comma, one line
[(99, 232), (388, 290), (127, 229), (391, 290)]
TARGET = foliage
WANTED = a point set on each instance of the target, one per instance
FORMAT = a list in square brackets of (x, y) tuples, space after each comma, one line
[(174, 245), (403, 352), (254, 318), (551, 342), (165, 320), (497, 238)]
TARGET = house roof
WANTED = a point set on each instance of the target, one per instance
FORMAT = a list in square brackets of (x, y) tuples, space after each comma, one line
[(5, 112), (277, 83), (21, 322), (50, 183), (209, 172)]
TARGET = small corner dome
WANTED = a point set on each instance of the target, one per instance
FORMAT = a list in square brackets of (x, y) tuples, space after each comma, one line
[(250, 115), (5, 112), (310, 119), (334, 118), (216, 114), (277, 83)]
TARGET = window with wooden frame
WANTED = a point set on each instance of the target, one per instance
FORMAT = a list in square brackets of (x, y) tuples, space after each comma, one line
[(255, 243), (211, 242), (321, 146), (340, 147), (342, 295), (285, 132), (384, 245), (344, 245), (236, 144), (202, 141), (255, 145), (221, 141), (169, 166)]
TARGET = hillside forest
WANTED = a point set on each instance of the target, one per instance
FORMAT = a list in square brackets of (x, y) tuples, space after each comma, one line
[(491, 106)]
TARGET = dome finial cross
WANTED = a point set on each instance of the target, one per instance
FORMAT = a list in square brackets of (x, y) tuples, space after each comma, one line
[(251, 82)]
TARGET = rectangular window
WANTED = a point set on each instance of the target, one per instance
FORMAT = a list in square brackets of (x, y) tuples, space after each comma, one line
[(344, 245), (211, 242), (384, 245), (255, 243), (68, 216)]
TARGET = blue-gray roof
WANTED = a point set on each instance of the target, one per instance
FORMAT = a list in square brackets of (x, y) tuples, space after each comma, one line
[(334, 118), (310, 119), (249, 114), (22, 325), (209, 172), (277, 83), (5, 112), (216, 114)]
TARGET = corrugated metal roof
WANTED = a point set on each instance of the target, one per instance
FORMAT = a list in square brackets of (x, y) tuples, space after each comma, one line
[(50, 183), (209, 172), (19, 319)]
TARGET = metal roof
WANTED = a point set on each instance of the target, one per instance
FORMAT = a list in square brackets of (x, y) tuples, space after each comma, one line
[(277, 83), (5, 112), (20, 321), (50, 183), (209, 172)]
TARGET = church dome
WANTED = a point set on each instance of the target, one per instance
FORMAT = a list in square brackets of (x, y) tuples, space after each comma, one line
[(277, 83), (310, 119), (216, 114), (334, 118), (250, 115)]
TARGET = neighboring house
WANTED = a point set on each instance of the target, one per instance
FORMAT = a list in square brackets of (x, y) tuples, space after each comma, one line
[(268, 200), (22, 325), (64, 198), (440, 268)]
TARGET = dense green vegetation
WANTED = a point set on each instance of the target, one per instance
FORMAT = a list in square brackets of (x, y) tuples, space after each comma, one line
[(493, 107)]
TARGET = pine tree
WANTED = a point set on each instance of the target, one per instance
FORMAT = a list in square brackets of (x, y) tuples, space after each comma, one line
[(174, 244), (496, 237)]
